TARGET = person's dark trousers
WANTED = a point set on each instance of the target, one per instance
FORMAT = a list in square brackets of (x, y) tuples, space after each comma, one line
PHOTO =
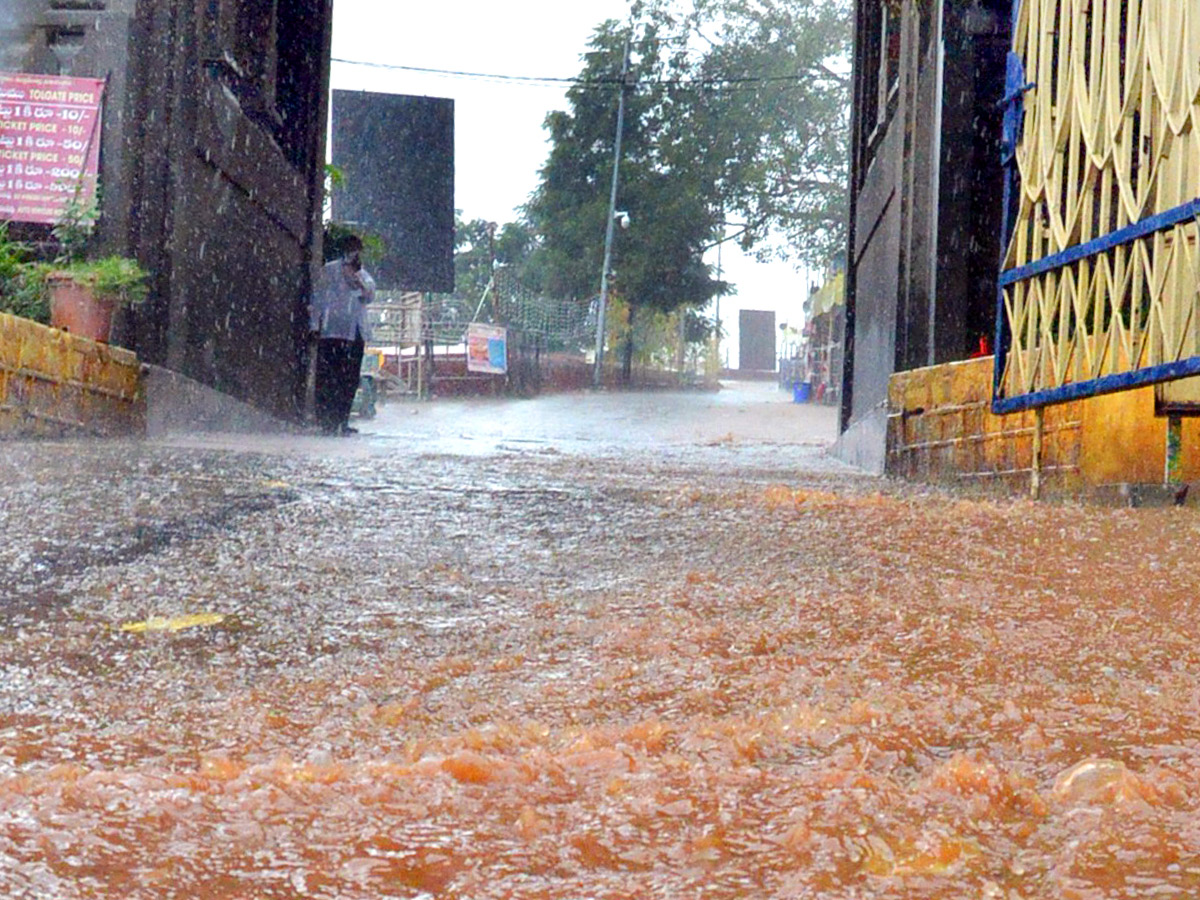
[(338, 366)]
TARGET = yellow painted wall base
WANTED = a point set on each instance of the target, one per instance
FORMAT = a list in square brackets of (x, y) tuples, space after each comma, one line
[(941, 428), (55, 384)]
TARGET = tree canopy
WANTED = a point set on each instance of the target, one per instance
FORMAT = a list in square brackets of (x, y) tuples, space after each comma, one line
[(736, 111), (772, 120), (658, 261), (476, 241)]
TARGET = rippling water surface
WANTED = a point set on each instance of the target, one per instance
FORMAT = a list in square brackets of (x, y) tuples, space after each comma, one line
[(537, 676)]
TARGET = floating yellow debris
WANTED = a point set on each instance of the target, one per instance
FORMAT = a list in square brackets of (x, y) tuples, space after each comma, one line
[(178, 623)]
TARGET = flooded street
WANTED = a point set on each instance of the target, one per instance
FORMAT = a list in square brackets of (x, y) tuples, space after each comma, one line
[(587, 646)]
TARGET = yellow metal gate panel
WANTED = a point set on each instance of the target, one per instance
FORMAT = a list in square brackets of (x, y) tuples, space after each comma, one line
[(1102, 275)]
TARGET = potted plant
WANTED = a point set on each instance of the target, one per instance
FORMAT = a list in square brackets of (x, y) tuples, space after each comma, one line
[(85, 293)]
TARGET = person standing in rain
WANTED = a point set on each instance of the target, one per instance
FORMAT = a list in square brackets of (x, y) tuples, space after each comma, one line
[(338, 320)]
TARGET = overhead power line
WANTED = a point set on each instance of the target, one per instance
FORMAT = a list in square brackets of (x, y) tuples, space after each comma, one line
[(606, 83), (456, 74)]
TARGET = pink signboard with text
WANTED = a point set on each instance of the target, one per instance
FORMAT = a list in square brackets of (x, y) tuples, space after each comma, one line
[(49, 144)]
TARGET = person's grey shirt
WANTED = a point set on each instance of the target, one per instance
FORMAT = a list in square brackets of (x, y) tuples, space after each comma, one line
[(339, 310)]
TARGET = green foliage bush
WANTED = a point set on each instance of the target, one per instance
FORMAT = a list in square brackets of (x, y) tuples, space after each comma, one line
[(23, 280), (22, 288), (116, 278), (334, 243)]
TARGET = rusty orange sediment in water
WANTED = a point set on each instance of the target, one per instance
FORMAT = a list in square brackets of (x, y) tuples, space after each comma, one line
[(969, 702)]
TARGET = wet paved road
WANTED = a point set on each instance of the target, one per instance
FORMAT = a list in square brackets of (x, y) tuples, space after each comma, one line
[(590, 646)]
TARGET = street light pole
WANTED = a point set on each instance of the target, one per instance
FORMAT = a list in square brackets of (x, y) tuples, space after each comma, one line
[(598, 372)]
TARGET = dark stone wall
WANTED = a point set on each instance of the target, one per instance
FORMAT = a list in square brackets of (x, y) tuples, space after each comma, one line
[(238, 292), (877, 206), (212, 167), (875, 329), (227, 192), (925, 196), (971, 185), (18, 35), (917, 276)]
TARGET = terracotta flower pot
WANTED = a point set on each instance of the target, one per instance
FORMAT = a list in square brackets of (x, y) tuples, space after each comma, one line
[(75, 308)]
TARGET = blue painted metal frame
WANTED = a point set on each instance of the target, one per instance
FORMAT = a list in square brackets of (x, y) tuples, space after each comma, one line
[(1015, 89), (1157, 222), (1014, 119), (1107, 384)]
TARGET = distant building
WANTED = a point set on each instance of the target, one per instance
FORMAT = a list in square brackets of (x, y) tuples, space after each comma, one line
[(756, 340), (819, 361), (212, 170)]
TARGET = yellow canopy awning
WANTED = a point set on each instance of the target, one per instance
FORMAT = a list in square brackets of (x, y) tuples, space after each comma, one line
[(832, 293)]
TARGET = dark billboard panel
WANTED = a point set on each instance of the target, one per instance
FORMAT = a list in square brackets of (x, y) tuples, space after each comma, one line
[(396, 154)]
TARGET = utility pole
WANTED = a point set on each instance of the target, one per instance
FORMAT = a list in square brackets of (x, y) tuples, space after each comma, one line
[(598, 372), (491, 233), (717, 315)]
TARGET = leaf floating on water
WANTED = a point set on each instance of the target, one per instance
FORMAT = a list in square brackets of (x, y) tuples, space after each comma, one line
[(178, 623)]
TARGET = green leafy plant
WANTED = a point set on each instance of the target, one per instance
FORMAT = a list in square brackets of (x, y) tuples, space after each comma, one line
[(22, 290), (26, 274), (115, 278), (73, 230), (334, 178), (335, 238)]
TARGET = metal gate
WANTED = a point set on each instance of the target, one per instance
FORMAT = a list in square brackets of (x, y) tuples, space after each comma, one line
[(1100, 284)]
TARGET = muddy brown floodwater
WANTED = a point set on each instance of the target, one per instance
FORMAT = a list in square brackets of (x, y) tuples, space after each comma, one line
[(539, 674)]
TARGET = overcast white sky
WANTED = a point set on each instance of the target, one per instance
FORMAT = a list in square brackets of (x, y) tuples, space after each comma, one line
[(499, 140)]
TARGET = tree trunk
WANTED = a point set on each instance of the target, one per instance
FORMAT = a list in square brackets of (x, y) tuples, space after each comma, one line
[(627, 362)]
